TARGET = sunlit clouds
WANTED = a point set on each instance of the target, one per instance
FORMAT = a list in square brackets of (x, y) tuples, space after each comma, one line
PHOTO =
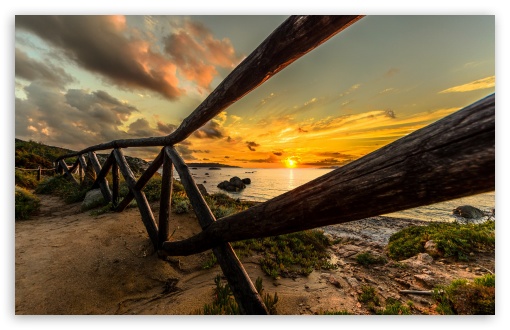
[(86, 80), (484, 83)]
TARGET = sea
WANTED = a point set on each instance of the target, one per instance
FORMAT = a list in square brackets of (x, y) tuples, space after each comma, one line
[(269, 183)]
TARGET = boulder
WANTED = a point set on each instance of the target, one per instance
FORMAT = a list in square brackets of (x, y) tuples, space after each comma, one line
[(234, 184), (468, 212), (93, 198), (246, 181), (202, 189)]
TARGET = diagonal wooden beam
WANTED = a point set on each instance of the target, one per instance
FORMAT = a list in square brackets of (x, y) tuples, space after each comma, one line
[(451, 158), (141, 200), (244, 291), (101, 175), (294, 38), (67, 174)]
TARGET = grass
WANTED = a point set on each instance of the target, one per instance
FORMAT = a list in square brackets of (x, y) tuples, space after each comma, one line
[(60, 186), (25, 179), (367, 259), (289, 255), (452, 240), (225, 304), (26, 204), (462, 297)]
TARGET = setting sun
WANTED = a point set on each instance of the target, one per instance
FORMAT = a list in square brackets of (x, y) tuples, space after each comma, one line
[(290, 163)]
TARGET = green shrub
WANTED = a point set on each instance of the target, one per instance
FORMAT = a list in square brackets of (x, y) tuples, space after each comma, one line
[(180, 204), (289, 255), (452, 239), (462, 297), (26, 204), (394, 307), (60, 186), (341, 312), (367, 258), (25, 179)]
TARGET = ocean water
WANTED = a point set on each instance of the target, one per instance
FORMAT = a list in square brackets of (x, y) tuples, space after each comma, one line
[(269, 183)]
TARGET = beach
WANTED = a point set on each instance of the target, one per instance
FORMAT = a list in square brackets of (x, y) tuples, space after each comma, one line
[(71, 262)]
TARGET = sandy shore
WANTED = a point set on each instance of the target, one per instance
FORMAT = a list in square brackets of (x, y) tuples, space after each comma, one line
[(69, 262)]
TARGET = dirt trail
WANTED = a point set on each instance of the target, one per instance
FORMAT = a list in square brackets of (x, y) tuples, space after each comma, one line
[(70, 262)]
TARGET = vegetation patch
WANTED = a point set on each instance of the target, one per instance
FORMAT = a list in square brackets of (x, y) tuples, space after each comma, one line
[(395, 307), (462, 297), (25, 179), (225, 304), (60, 186), (26, 204), (367, 259), (289, 255), (452, 240)]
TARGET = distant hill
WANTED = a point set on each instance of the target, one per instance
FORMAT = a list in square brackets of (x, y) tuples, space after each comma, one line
[(30, 154), (210, 165)]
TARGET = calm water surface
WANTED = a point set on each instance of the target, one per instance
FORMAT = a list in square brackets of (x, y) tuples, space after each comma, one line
[(269, 183)]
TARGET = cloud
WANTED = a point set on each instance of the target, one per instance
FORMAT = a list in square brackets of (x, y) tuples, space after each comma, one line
[(32, 70), (251, 145), (185, 152), (484, 83), (277, 153), (165, 128), (76, 118), (102, 45), (328, 162), (197, 53), (211, 130)]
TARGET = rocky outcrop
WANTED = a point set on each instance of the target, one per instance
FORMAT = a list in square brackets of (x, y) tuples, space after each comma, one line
[(93, 199), (468, 212), (235, 184)]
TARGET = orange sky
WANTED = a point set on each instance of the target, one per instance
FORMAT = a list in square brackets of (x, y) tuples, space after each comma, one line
[(140, 76)]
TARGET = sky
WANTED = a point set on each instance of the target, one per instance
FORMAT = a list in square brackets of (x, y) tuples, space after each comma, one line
[(83, 80)]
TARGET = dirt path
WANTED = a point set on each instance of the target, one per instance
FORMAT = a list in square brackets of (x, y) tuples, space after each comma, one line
[(70, 262)]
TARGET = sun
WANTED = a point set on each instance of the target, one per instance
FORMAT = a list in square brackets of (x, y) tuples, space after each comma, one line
[(290, 163)]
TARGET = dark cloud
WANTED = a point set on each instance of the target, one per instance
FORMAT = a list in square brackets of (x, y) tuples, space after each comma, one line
[(227, 157), (390, 113), (211, 130), (277, 153), (300, 130), (185, 152), (32, 70), (166, 128), (251, 145), (270, 159), (100, 44), (328, 162), (76, 119), (334, 155), (205, 159), (140, 128)]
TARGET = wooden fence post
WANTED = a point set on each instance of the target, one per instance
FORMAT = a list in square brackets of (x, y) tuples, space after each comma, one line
[(39, 173)]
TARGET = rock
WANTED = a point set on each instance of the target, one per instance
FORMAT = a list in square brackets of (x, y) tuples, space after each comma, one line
[(431, 248), (93, 198), (246, 181), (426, 280), (334, 281), (468, 212), (202, 189), (424, 258), (234, 184)]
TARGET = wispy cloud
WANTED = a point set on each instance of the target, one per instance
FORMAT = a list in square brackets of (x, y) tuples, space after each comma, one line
[(484, 83)]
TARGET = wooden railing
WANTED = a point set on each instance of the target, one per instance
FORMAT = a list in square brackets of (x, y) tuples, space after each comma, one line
[(451, 158)]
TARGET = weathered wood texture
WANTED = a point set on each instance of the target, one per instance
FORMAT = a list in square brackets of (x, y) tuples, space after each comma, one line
[(142, 181), (141, 200), (103, 183), (451, 158), (101, 175), (67, 174), (115, 183), (164, 203), (294, 38), (244, 291)]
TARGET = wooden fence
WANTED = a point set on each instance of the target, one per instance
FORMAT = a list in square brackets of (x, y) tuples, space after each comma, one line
[(451, 158)]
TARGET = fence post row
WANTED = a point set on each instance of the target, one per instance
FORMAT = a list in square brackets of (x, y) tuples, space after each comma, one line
[(451, 158)]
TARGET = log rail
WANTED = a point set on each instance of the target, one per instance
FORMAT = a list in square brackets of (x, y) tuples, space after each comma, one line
[(451, 158)]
